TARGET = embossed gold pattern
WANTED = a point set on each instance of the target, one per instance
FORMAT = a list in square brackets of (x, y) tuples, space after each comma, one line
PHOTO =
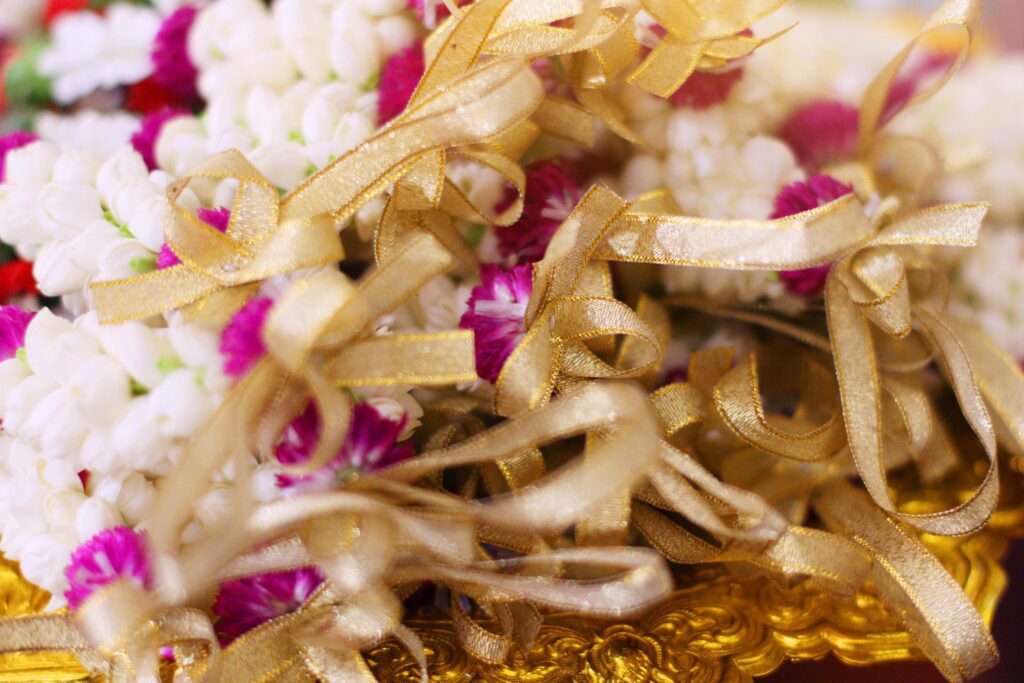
[(718, 626), (722, 624)]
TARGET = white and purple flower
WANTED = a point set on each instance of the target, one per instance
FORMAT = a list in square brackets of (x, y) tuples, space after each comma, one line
[(14, 321), (243, 604), (371, 444), (241, 342), (113, 554), (552, 193), (496, 312), (796, 198)]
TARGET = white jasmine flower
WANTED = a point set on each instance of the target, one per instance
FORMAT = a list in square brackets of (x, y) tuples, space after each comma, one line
[(989, 287), (100, 133), (979, 135), (111, 398), (92, 51), (81, 218)]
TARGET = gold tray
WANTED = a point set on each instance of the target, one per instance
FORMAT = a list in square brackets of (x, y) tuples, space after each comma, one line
[(718, 626)]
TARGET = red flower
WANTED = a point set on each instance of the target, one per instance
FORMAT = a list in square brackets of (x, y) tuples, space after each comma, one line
[(705, 89), (55, 8), (398, 80), (148, 96), (16, 278)]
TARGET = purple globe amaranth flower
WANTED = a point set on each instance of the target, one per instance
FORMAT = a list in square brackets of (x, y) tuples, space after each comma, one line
[(110, 555), (496, 313), (11, 142), (822, 133), (173, 69), (144, 139), (796, 198), (551, 195), (371, 444), (243, 604), (241, 341), (14, 321), (215, 218), (398, 80)]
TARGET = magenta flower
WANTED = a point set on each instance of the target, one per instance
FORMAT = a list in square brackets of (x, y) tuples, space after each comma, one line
[(822, 133), (496, 313), (551, 195), (14, 321), (172, 67), (11, 142), (118, 553), (215, 218), (241, 341), (705, 89), (144, 139), (243, 604), (398, 80), (796, 198), (371, 444)]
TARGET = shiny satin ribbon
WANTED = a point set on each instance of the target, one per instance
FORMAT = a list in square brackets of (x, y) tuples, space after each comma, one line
[(700, 34), (563, 317), (267, 236), (934, 608), (393, 546), (871, 283), (425, 198), (316, 333)]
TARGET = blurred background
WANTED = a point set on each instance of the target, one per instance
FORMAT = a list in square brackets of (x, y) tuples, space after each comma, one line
[(1005, 18)]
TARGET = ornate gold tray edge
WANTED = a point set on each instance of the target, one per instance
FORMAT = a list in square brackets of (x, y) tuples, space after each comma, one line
[(718, 626)]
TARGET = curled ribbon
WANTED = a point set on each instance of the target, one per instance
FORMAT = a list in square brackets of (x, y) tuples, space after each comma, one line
[(644, 458), (267, 236)]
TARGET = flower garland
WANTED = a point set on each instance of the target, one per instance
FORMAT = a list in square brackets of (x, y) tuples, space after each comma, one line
[(228, 406)]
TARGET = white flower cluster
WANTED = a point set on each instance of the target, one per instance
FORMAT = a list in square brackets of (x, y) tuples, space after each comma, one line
[(91, 51), (989, 286), (713, 172), (725, 161), (293, 86), (975, 121), (99, 133), (115, 401), (81, 218)]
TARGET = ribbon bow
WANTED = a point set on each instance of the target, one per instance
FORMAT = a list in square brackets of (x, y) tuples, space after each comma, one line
[(267, 236), (700, 34)]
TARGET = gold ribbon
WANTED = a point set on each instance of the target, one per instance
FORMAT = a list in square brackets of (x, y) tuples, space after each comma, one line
[(934, 608), (563, 317), (386, 532), (392, 546), (700, 34), (267, 236)]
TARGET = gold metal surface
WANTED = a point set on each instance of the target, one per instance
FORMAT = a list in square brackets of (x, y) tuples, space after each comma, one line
[(719, 625)]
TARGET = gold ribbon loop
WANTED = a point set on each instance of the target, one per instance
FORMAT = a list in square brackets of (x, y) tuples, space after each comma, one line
[(962, 14), (266, 238), (737, 398), (934, 608)]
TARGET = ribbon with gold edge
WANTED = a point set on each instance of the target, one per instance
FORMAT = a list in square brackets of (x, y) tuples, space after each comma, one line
[(425, 198), (646, 578), (700, 33), (267, 236), (869, 263), (560, 322), (934, 608)]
